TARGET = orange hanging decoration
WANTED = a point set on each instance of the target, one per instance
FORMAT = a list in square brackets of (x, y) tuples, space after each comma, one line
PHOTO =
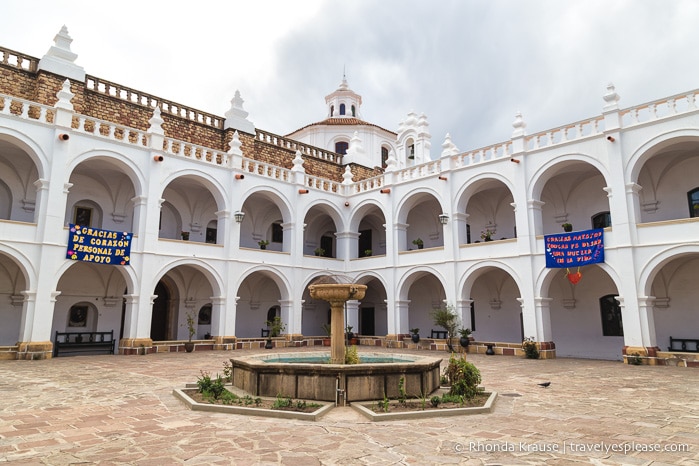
[(573, 278)]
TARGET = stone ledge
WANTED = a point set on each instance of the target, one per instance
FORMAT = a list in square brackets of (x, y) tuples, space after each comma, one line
[(426, 413)]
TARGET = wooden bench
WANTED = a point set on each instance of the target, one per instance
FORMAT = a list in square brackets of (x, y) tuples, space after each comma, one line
[(680, 344), (439, 334), (83, 342)]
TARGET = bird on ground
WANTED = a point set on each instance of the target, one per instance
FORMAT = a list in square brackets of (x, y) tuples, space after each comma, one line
[(544, 384)]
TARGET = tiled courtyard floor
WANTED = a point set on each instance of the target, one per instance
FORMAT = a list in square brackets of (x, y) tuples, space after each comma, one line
[(120, 410)]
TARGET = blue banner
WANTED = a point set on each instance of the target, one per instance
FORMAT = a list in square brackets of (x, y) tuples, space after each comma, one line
[(574, 249), (99, 246)]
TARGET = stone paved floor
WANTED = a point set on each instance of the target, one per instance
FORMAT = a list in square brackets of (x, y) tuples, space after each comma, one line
[(120, 410)]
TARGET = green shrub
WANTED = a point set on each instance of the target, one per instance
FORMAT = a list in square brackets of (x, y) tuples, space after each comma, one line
[(530, 349), (211, 388), (463, 376), (351, 355)]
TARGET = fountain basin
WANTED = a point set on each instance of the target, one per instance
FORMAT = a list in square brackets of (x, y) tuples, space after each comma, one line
[(267, 375)]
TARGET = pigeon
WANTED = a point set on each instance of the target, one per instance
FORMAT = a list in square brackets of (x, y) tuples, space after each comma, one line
[(544, 384)]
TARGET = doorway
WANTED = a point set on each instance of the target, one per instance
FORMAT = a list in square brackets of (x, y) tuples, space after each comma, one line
[(366, 321)]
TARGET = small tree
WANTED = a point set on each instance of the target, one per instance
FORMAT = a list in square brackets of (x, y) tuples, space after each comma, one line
[(276, 326), (191, 325), (446, 318)]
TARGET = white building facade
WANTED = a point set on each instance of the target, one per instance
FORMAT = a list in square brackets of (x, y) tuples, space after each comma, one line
[(199, 214)]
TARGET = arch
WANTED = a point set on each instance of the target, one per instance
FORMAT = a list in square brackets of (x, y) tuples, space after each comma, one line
[(360, 210), (412, 198), (116, 159), (342, 109), (126, 272), (652, 267), (211, 274), (29, 146), (553, 166), (270, 272), (364, 277), (471, 185), (546, 276), (25, 265), (217, 190), (412, 275), (652, 146), (329, 209), (472, 273), (273, 195)]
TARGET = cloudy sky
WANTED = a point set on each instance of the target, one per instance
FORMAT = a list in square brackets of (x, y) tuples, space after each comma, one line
[(469, 65)]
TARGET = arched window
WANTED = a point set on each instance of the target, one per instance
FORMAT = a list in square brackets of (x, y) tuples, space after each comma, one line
[(211, 231), (204, 317), (332, 111), (341, 147), (384, 157), (354, 111), (277, 233), (612, 325), (602, 220), (342, 109), (693, 198)]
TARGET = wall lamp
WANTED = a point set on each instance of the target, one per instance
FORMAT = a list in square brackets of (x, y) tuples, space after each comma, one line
[(239, 216), (443, 219)]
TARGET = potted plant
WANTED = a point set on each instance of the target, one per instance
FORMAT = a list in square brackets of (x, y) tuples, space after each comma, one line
[(418, 242), (319, 252), (191, 330), (415, 334), (464, 340), (487, 235), (567, 227), (326, 328), (185, 235), (276, 327), (263, 243), (348, 332), (367, 252)]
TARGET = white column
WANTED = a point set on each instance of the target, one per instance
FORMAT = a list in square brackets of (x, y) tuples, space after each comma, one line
[(218, 316), (463, 310), (646, 317), (352, 316), (346, 244), (131, 316), (291, 320), (541, 319), (400, 313)]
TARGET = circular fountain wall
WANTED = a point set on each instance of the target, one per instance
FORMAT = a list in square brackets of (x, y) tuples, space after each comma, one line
[(293, 375)]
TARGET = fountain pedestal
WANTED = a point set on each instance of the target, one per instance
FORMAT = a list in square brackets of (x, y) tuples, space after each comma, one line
[(337, 294)]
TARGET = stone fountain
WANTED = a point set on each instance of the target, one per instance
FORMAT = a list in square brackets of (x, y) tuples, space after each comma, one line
[(337, 294), (313, 376)]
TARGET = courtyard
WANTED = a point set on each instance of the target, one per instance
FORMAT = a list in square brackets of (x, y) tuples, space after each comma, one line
[(120, 410)]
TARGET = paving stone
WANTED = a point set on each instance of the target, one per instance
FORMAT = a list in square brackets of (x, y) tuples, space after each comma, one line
[(54, 413)]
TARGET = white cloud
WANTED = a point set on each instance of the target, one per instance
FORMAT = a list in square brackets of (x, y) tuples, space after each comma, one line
[(468, 65)]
